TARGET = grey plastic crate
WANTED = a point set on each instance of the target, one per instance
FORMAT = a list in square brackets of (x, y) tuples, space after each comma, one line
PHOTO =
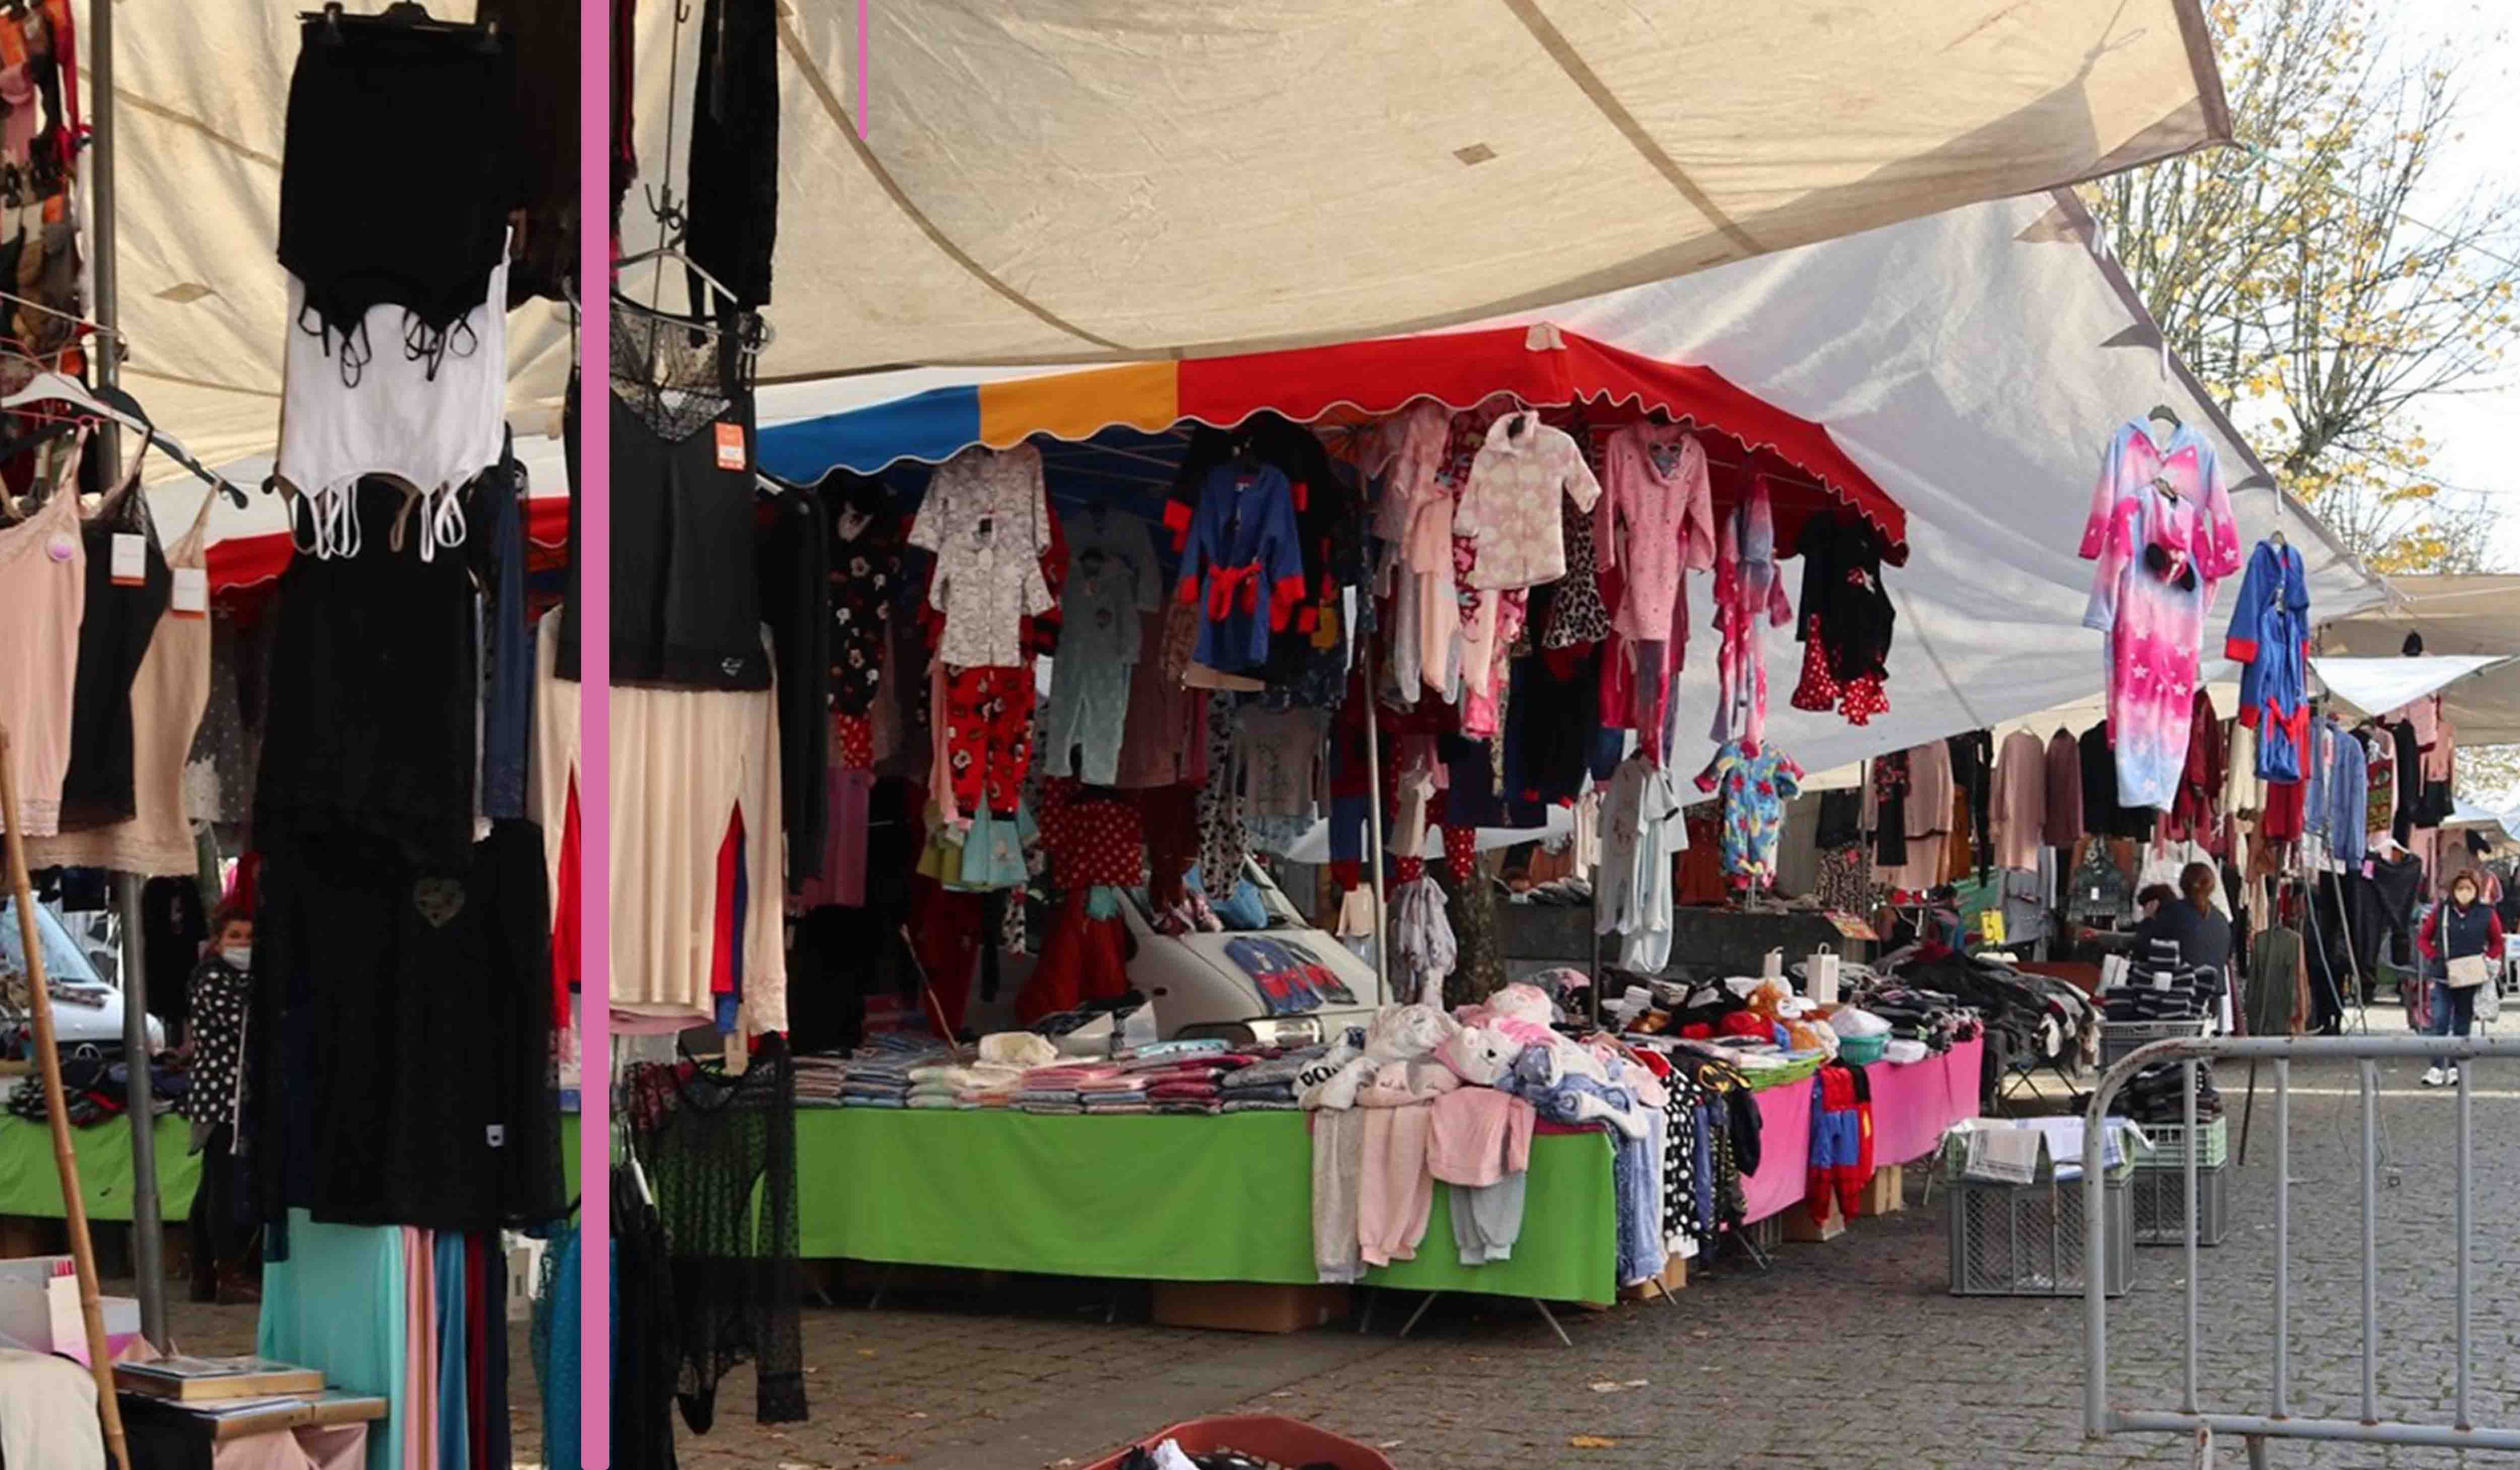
[(2026, 1240), (2160, 1202)]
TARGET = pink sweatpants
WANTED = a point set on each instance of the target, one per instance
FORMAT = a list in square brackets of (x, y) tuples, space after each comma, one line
[(1394, 1190)]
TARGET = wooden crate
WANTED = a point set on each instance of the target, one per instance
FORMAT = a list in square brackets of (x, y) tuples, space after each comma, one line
[(1675, 1277), (1800, 1230), (1887, 1193)]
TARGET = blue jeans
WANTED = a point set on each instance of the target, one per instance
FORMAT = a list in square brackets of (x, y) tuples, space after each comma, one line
[(2454, 1013)]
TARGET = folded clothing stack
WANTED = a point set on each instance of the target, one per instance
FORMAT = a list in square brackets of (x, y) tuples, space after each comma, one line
[(819, 1080), (1932, 1017), (1049, 1101), (2153, 1095), (1113, 1095), (1184, 1097), (1268, 1086)]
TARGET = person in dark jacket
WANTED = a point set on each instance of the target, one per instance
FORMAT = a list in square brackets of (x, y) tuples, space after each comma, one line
[(2461, 941), (2203, 936), (219, 1229)]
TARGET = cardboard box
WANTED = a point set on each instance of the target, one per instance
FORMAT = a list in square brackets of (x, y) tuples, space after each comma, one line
[(1800, 1230), (39, 1306), (1675, 1277), (1887, 1193), (1247, 1307)]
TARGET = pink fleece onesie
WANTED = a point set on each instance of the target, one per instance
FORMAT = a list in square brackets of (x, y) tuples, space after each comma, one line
[(1394, 1190)]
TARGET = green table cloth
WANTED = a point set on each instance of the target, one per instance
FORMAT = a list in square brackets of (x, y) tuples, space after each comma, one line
[(29, 1184), (1154, 1198), (1159, 1198)]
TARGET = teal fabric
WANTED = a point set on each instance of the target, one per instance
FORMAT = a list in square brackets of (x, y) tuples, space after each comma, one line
[(336, 1304), (454, 1434)]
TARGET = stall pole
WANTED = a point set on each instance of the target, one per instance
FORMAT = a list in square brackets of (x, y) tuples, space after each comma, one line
[(1373, 824), (48, 1059), (147, 1232), (148, 1226), (592, 483)]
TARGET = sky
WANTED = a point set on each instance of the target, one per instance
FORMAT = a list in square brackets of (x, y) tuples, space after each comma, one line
[(2472, 433)]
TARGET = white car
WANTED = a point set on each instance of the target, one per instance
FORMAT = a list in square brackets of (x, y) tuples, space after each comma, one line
[(1286, 984), (86, 1008)]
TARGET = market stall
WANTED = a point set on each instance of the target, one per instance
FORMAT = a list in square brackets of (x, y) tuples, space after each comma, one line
[(1134, 1198)]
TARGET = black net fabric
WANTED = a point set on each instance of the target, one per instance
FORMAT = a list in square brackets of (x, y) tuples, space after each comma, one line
[(720, 1152)]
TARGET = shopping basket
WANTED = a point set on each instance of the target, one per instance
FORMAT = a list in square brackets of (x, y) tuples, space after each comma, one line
[(1287, 1442)]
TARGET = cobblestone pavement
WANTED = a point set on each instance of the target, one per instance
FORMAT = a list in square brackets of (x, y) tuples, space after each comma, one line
[(1851, 1355)]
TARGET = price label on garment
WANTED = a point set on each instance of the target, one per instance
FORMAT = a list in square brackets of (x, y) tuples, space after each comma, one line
[(1848, 926), (129, 567), (190, 597), (2161, 979), (1990, 926), (729, 446)]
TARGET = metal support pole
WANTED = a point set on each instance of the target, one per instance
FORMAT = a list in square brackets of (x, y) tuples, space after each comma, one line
[(147, 1230), (1374, 828), (2466, 1228), (2282, 1404), (2370, 1071), (2192, 1145), (147, 1236)]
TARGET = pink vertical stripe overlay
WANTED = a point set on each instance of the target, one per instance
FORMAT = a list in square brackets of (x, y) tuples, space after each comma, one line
[(594, 553)]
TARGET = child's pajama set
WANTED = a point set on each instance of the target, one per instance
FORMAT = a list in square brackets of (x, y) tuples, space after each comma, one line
[(1112, 582), (987, 521)]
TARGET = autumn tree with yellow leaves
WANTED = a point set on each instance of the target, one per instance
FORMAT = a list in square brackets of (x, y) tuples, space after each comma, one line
[(2287, 272)]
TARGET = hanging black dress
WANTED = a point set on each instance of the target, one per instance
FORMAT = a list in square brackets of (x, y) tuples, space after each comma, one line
[(115, 630)]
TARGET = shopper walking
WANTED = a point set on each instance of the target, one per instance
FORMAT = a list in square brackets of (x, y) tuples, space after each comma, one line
[(220, 1225), (2461, 941)]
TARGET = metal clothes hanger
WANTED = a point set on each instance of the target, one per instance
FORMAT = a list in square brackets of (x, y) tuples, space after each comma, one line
[(48, 384), (340, 24)]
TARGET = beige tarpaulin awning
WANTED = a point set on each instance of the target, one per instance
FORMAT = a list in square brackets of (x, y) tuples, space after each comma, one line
[(1096, 179), (2456, 615), (1076, 181)]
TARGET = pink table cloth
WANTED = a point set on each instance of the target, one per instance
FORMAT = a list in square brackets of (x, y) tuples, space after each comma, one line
[(308, 1447), (1912, 1107)]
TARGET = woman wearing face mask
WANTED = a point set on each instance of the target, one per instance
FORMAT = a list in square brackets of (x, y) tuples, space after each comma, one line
[(2461, 942), (222, 997)]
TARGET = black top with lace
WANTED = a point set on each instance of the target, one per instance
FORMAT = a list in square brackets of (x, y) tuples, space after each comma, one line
[(687, 608), (721, 1153)]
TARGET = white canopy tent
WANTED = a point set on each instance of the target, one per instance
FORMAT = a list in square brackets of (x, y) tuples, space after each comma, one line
[(2476, 616), (1973, 364), (1224, 175), (2378, 685), (1099, 180)]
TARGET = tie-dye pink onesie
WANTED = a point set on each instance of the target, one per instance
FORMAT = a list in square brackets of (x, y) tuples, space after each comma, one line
[(2161, 529)]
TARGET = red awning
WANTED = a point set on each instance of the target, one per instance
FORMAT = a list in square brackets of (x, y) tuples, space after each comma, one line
[(1746, 435)]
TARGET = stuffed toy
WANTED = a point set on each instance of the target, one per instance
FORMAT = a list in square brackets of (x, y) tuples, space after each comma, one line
[(1479, 1055), (1397, 1033)]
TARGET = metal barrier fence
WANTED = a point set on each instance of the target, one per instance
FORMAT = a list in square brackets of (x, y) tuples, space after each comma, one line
[(2191, 1419)]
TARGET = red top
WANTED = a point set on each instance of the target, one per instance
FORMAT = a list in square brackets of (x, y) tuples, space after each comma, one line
[(2429, 941)]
